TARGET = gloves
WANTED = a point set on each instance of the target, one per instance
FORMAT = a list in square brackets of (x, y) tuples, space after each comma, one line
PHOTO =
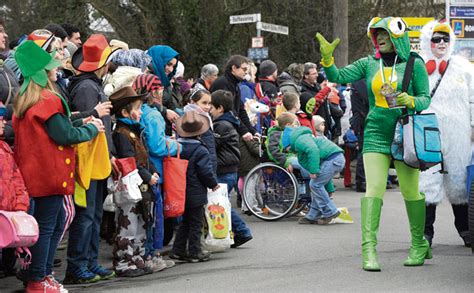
[(406, 100), (327, 49)]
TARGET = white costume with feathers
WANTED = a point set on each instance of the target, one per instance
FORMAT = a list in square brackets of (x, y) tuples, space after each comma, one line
[(453, 104)]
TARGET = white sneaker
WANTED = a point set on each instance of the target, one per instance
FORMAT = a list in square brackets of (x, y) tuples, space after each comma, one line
[(53, 282)]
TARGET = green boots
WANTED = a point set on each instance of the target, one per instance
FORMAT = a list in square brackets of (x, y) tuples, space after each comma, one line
[(420, 248), (370, 218)]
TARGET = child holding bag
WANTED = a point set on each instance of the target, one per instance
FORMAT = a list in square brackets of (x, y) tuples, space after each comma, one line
[(43, 130)]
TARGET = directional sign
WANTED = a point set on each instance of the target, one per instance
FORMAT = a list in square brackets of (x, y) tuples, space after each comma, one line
[(462, 12), (258, 53), (273, 28), (244, 18)]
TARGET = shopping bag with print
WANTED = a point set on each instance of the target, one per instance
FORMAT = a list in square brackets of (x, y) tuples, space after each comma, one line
[(218, 219)]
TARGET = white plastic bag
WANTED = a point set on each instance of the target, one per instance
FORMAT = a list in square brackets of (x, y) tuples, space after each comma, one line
[(126, 189), (217, 211)]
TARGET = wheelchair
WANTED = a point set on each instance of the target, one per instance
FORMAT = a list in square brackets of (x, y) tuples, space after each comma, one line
[(271, 192)]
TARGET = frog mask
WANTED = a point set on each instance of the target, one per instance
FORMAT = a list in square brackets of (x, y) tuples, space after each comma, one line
[(397, 31)]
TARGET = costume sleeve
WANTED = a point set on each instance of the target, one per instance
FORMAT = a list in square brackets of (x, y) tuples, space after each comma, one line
[(348, 74), (421, 86), (62, 132), (470, 77)]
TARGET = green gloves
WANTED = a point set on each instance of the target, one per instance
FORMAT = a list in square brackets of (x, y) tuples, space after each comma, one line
[(406, 100), (327, 49)]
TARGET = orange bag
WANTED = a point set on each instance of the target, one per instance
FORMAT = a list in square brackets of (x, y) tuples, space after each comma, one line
[(174, 185)]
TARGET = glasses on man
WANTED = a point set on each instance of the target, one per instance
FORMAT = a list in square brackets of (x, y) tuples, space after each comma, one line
[(437, 40)]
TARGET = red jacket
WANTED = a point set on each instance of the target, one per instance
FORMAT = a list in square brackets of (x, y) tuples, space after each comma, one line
[(48, 168), (13, 195), (305, 121)]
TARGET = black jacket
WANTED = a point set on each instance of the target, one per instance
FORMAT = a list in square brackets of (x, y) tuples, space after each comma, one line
[(86, 92), (269, 88), (230, 83), (306, 87), (359, 106), (199, 175), (227, 143)]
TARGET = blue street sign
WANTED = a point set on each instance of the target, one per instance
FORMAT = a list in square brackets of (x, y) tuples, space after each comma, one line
[(460, 11), (257, 53)]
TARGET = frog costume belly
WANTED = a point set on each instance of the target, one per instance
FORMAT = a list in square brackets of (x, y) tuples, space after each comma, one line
[(390, 35)]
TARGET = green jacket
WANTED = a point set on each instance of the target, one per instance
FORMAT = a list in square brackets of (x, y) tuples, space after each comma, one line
[(380, 121), (275, 150), (311, 150)]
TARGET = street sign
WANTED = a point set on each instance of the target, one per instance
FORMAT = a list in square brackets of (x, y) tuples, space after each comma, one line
[(463, 28), (461, 2), (273, 28), (257, 53), (257, 42), (461, 12), (244, 18)]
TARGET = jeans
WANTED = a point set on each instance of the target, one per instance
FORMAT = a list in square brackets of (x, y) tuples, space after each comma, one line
[(49, 213), (84, 233), (189, 232), (296, 165), (321, 205), (239, 227)]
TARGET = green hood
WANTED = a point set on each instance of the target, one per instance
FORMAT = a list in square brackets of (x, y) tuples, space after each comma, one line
[(297, 132), (398, 31)]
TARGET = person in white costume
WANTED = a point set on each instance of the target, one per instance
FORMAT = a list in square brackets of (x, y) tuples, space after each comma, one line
[(452, 88)]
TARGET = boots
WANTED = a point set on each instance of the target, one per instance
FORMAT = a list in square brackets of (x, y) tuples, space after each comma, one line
[(420, 248), (370, 218)]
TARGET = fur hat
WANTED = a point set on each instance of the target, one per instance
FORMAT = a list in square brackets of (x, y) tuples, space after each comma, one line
[(267, 68), (192, 124), (122, 77)]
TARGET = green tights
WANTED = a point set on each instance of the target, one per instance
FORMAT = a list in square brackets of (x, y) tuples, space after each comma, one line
[(376, 167)]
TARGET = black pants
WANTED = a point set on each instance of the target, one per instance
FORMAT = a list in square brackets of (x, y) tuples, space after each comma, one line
[(189, 232), (460, 219), (360, 174)]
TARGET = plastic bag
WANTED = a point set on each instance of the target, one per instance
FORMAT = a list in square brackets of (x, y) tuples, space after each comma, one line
[(217, 211), (126, 189)]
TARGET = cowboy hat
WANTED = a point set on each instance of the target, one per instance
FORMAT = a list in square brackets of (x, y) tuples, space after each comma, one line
[(192, 124), (94, 54), (124, 97), (33, 63)]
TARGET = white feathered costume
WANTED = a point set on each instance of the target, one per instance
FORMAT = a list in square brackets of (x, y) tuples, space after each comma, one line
[(453, 103)]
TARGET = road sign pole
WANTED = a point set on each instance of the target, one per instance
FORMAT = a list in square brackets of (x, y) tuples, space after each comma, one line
[(259, 31)]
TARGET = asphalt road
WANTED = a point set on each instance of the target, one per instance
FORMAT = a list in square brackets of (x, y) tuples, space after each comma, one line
[(287, 257)]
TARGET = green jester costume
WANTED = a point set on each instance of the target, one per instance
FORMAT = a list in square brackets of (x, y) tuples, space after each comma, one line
[(383, 73)]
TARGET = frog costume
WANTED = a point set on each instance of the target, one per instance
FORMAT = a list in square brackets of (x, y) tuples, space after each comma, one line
[(380, 127)]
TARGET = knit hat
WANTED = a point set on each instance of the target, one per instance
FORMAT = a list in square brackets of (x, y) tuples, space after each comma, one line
[(33, 63), (267, 67), (134, 57), (146, 83), (317, 121), (94, 54)]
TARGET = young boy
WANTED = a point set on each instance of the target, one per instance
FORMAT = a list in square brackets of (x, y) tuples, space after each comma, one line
[(323, 159), (228, 155), (292, 104), (129, 250), (274, 148), (199, 176)]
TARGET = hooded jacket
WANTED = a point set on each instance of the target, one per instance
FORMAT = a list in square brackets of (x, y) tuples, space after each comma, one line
[(453, 104), (380, 122), (227, 143), (13, 194), (311, 150)]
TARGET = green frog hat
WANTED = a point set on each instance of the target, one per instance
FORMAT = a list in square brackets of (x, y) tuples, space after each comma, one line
[(398, 32), (33, 63)]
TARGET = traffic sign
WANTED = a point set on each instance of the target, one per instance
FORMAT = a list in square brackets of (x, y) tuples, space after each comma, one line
[(257, 42), (273, 28), (257, 53), (244, 18)]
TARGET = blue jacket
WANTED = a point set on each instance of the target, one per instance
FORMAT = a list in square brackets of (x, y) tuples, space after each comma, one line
[(199, 175), (160, 56), (155, 138)]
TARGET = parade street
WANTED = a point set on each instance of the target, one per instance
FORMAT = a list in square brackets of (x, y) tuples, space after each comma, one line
[(287, 257)]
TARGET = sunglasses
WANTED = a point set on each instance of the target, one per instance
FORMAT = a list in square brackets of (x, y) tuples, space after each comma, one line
[(437, 40)]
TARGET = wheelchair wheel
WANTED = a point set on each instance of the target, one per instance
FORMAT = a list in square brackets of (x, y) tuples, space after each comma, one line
[(270, 192)]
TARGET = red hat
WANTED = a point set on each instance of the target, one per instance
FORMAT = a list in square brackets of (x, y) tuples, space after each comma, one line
[(93, 55), (42, 41), (146, 83)]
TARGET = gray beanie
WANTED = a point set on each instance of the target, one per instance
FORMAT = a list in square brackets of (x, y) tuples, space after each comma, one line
[(267, 67)]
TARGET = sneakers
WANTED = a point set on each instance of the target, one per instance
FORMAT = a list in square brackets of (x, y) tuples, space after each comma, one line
[(157, 263), (327, 221), (178, 256), (42, 286), (53, 282), (239, 240), (102, 272), (200, 257), (81, 276), (131, 273), (305, 221)]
